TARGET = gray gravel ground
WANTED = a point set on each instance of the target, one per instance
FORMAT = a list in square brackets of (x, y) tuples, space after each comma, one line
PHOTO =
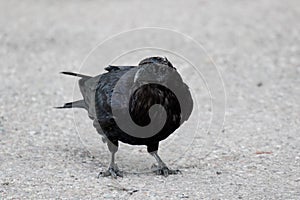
[(256, 45)]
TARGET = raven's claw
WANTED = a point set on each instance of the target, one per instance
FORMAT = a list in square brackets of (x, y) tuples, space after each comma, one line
[(165, 171), (113, 172)]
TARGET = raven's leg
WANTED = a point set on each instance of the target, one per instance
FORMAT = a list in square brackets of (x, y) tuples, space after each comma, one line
[(162, 168), (113, 169)]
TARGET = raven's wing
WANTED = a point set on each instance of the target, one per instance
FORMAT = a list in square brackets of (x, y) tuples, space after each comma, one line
[(113, 91), (97, 91)]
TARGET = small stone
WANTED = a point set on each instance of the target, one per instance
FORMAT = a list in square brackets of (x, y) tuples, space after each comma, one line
[(183, 196), (34, 132), (259, 84), (108, 196)]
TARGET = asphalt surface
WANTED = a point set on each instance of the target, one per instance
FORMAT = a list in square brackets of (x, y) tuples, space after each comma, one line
[(44, 154)]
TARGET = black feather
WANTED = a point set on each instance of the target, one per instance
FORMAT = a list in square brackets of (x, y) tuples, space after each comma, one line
[(75, 74), (75, 104)]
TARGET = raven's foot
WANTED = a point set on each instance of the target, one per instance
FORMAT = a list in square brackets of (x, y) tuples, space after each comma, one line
[(164, 170), (114, 172)]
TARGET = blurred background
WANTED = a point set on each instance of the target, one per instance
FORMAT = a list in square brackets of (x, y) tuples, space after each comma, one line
[(255, 45)]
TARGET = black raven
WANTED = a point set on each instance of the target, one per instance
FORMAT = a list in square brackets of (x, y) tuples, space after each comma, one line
[(120, 102)]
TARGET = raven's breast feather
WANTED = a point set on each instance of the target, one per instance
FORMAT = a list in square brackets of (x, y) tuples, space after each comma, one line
[(141, 100)]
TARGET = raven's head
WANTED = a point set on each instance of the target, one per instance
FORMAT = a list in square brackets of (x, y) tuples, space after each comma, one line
[(155, 70), (156, 60)]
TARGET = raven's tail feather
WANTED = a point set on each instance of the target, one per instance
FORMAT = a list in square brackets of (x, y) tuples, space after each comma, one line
[(75, 104), (76, 74)]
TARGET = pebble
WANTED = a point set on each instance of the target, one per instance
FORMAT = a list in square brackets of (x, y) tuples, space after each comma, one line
[(183, 196)]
